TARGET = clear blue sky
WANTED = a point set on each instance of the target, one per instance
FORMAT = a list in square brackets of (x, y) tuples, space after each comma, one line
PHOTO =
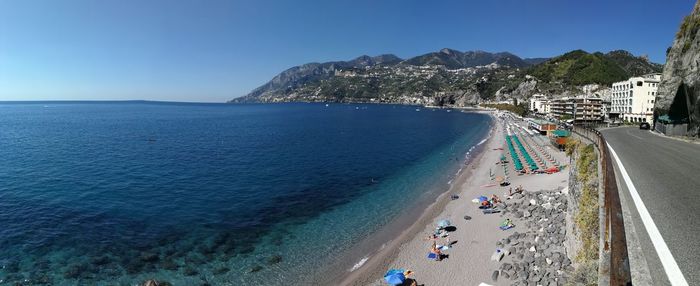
[(216, 50)]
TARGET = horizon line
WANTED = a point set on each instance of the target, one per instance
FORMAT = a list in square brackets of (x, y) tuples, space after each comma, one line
[(109, 100)]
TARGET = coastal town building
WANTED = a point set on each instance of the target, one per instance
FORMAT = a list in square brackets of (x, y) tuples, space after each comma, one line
[(544, 127), (605, 108), (633, 99), (581, 109), (539, 104)]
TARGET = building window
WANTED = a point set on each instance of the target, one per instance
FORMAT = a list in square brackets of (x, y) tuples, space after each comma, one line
[(639, 83)]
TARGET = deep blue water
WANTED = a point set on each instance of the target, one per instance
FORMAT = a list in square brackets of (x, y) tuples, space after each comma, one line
[(115, 193)]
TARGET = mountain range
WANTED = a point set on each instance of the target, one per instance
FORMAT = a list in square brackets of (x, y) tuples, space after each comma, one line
[(448, 77)]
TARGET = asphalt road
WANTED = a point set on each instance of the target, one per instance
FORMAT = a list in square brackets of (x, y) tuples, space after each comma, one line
[(666, 174)]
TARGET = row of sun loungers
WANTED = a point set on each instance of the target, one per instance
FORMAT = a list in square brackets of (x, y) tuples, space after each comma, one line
[(520, 144)]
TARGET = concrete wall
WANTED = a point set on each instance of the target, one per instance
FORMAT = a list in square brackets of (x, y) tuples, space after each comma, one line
[(672, 129)]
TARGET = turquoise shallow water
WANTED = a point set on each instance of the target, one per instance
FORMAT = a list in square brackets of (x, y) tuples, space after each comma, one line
[(116, 193)]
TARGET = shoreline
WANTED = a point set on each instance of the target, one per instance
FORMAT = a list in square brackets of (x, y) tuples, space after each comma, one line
[(376, 264), (476, 238)]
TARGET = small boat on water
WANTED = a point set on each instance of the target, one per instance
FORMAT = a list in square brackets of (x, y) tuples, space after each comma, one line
[(417, 109)]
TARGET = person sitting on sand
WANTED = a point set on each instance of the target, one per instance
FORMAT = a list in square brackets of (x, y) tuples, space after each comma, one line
[(436, 251), (507, 222), (495, 199), (519, 189)]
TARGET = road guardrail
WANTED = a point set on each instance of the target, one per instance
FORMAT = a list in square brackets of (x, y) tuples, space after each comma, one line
[(613, 261)]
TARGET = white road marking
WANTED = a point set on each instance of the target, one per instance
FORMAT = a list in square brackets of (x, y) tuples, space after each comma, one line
[(675, 276)]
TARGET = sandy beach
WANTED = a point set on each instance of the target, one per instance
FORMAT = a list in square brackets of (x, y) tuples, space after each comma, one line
[(474, 240)]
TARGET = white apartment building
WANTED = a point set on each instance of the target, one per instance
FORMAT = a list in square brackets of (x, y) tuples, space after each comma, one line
[(540, 104), (546, 107), (633, 99)]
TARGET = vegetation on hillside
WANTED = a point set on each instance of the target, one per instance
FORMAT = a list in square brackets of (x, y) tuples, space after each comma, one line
[(689, 28), (579, 68), (520, 109)]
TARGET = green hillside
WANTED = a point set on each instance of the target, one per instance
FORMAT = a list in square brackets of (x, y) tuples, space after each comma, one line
[(579, 67)]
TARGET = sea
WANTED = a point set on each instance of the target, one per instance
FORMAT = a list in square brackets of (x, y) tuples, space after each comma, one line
[(115, 193)]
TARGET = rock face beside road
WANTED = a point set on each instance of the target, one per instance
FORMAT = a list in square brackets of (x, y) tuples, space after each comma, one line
[(679, 90)]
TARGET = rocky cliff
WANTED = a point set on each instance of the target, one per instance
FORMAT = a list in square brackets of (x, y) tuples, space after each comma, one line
[(678, 99)]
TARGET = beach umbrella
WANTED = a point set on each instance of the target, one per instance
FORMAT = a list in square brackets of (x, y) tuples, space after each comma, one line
[(395, 277), (444, 223)]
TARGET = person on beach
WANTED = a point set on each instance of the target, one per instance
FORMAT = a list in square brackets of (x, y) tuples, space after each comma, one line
[(495, 199), (409, 281), (431, 236), (436, 251), (438, 233), (519, 189)]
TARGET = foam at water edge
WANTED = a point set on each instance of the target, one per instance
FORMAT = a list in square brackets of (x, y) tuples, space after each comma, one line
[(359, 264)]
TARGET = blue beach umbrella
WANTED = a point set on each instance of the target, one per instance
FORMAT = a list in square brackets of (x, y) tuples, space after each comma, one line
[(444, 223), (395, 277)]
